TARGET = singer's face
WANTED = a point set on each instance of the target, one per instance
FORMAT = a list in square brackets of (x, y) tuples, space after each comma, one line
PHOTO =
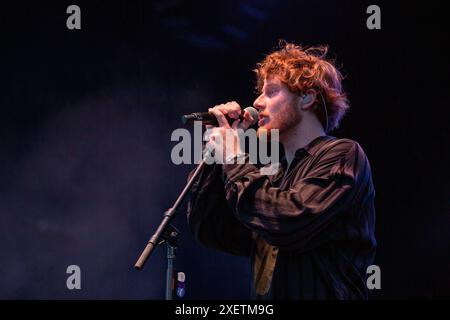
[(277, 107)]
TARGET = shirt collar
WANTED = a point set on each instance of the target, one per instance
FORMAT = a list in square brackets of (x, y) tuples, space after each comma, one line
[(311, 148)]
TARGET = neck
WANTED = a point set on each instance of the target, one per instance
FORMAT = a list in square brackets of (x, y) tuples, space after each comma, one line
[(298, 137)]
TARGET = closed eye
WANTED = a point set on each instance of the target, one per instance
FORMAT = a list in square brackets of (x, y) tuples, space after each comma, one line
[(272, 91)]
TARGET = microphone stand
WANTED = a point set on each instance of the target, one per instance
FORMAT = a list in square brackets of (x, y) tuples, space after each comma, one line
[(167, 233)]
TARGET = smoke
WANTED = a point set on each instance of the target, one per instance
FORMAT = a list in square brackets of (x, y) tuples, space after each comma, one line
[(89, 192)]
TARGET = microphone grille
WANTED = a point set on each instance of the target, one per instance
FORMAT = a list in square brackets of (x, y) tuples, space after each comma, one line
[(254, 113)]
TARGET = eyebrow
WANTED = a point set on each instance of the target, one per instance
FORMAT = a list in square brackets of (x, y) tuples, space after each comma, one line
[(270, 85)]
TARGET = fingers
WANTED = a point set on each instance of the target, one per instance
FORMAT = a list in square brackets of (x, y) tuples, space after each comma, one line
[(248, 117), (212, 133), (236, 124), (232, 109), (247, 122), (223, 122)]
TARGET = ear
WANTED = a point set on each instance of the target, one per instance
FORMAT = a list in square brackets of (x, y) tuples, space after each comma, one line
[(308, 99)]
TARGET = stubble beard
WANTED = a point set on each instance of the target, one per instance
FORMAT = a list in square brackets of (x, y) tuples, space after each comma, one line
[(284, 120)]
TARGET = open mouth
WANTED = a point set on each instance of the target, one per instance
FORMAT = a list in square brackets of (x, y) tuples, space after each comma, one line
[(262, 120)]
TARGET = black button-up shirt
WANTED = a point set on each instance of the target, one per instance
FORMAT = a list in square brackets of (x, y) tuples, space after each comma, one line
[(309, 229)]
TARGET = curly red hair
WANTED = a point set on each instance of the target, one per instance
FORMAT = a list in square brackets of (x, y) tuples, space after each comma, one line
[(302, 69)]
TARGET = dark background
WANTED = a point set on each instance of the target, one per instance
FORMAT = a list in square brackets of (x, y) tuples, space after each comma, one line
[(86, 119)]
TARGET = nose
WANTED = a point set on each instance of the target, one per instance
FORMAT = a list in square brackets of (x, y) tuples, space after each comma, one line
[(258, 104)]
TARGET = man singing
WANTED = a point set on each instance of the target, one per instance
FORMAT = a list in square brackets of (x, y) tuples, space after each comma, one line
[(308, 229)]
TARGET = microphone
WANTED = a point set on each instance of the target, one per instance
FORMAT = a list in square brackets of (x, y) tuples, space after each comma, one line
[(209, 118)]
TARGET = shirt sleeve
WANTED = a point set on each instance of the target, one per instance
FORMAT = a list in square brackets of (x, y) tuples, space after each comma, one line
[(211, 219), (300, 217)]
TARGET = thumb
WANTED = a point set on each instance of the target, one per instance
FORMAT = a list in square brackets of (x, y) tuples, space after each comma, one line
[(236, 124), (248, 120)]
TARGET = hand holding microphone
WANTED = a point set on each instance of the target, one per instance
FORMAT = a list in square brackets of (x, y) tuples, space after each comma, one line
[(223, 115), (221, 121)]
